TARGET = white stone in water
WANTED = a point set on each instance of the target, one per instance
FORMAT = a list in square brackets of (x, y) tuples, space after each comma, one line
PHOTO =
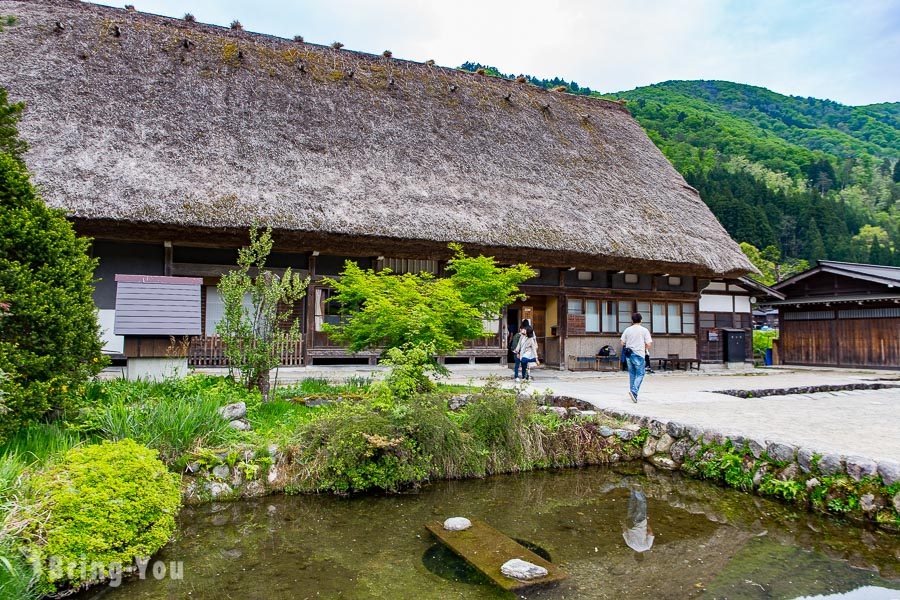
[(522, 569), (457, 524)]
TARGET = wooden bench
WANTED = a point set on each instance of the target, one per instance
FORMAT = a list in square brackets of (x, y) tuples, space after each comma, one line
[(675, 362)]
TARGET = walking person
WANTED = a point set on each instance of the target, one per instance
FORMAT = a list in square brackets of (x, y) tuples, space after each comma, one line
[(636, 342), (527, 351), (514, 347)]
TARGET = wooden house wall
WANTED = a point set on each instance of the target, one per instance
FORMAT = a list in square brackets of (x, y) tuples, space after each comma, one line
[(836, 341)]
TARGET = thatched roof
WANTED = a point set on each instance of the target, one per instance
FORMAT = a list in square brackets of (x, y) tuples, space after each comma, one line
[(144, 119)]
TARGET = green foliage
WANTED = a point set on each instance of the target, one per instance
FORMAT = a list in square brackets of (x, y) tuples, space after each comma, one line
[(384, 310), (172, 416), (762, 341), (108, 503), (315, 386), (49, 342), (366, 444), (410, 368), (10, 142), (771, 267), (789, 490), (258, 317)]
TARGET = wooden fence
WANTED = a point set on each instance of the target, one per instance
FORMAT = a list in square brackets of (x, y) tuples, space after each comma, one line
[(208, 351)]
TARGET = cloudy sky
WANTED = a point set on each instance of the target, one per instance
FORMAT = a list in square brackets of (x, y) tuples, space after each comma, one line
[(841, 50)]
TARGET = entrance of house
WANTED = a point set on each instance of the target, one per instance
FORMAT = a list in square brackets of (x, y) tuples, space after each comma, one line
[(534, 309)]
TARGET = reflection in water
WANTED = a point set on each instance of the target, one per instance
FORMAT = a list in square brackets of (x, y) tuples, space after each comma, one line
[(637, 533), (709, 542)]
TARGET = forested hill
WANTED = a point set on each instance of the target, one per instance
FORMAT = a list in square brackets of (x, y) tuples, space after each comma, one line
[(811, 178)]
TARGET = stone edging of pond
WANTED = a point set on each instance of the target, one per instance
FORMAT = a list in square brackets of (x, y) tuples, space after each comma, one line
[(853, 487), (850, 487)]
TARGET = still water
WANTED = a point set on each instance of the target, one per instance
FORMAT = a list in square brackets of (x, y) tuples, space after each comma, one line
[(698, 541)]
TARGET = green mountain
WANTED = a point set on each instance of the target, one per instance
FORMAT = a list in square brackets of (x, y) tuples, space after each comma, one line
[(811, 178), (814, 178)]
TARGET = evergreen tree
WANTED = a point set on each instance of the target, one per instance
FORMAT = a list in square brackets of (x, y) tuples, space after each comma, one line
[(896, 176), (815, 247), (880, 254)]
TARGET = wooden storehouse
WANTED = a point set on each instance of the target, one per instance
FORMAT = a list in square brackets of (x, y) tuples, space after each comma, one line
[(165, 140), (840, 314)]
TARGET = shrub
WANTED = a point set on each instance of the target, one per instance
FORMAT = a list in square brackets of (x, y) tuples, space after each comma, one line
[(762, 341), (356, 447), (50, 339), (107, 504)]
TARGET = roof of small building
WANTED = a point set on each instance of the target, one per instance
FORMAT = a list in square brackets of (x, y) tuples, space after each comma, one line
[(889, 276), (138, 118)]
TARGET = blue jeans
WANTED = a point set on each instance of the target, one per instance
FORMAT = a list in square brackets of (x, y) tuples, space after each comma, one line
[(525, 362), (516, 367), (636, 367)]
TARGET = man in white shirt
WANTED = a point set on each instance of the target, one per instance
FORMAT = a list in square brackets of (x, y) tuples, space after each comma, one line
[(636, 344)]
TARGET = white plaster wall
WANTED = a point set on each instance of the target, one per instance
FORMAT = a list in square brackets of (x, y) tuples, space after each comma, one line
[(112, 344), (716, 303), (156, 369), (742, 304)]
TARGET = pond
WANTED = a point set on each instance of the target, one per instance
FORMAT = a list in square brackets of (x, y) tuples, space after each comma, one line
[(707, 542)]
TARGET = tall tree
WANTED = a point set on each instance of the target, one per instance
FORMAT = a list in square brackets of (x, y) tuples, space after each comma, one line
[(815, 247)]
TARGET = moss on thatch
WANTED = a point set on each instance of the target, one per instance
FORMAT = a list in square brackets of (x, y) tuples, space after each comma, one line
[(146, 128)]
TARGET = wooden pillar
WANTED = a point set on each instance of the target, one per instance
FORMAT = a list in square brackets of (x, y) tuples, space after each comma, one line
[(562, 317), (167, 258), (309, 326)]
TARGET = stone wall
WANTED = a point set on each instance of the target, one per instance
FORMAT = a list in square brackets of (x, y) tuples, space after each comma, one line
[(854, 487)]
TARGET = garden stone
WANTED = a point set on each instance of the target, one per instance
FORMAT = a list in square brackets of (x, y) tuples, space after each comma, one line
[(238, 410), (896, 502), (738, 442), (665, 442), (679, 450), (457, 402), (574, 412), (889, 471), (624, 434), (657, 428), (561, 412), (632, 427), (192, 468), (756, 448), (781, 452), (676, 430), (713, 436), (217, 489), (859, 467), (831, 464), (606, 431), (240, 424), (789, 472), (272, 449), (273, 474), (649, 448), (457, 524), (522, 569), (758, 476), (694, 451), (664, 462), (614, 457), (812, 483), (695, 432), (804, 459), (253, 489), (867, 503), (588, 413), (221, 471)]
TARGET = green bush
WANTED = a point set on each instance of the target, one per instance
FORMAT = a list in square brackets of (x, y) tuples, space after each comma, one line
[(762, 341), (106, 503), (50, 342)]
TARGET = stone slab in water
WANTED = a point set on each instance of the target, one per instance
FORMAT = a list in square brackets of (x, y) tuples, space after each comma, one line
[(487, 549)]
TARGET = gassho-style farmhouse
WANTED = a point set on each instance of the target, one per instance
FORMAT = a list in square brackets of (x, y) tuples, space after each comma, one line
[(165, 139)]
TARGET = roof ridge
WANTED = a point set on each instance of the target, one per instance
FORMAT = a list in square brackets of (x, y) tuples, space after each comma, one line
[(228, 31)]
